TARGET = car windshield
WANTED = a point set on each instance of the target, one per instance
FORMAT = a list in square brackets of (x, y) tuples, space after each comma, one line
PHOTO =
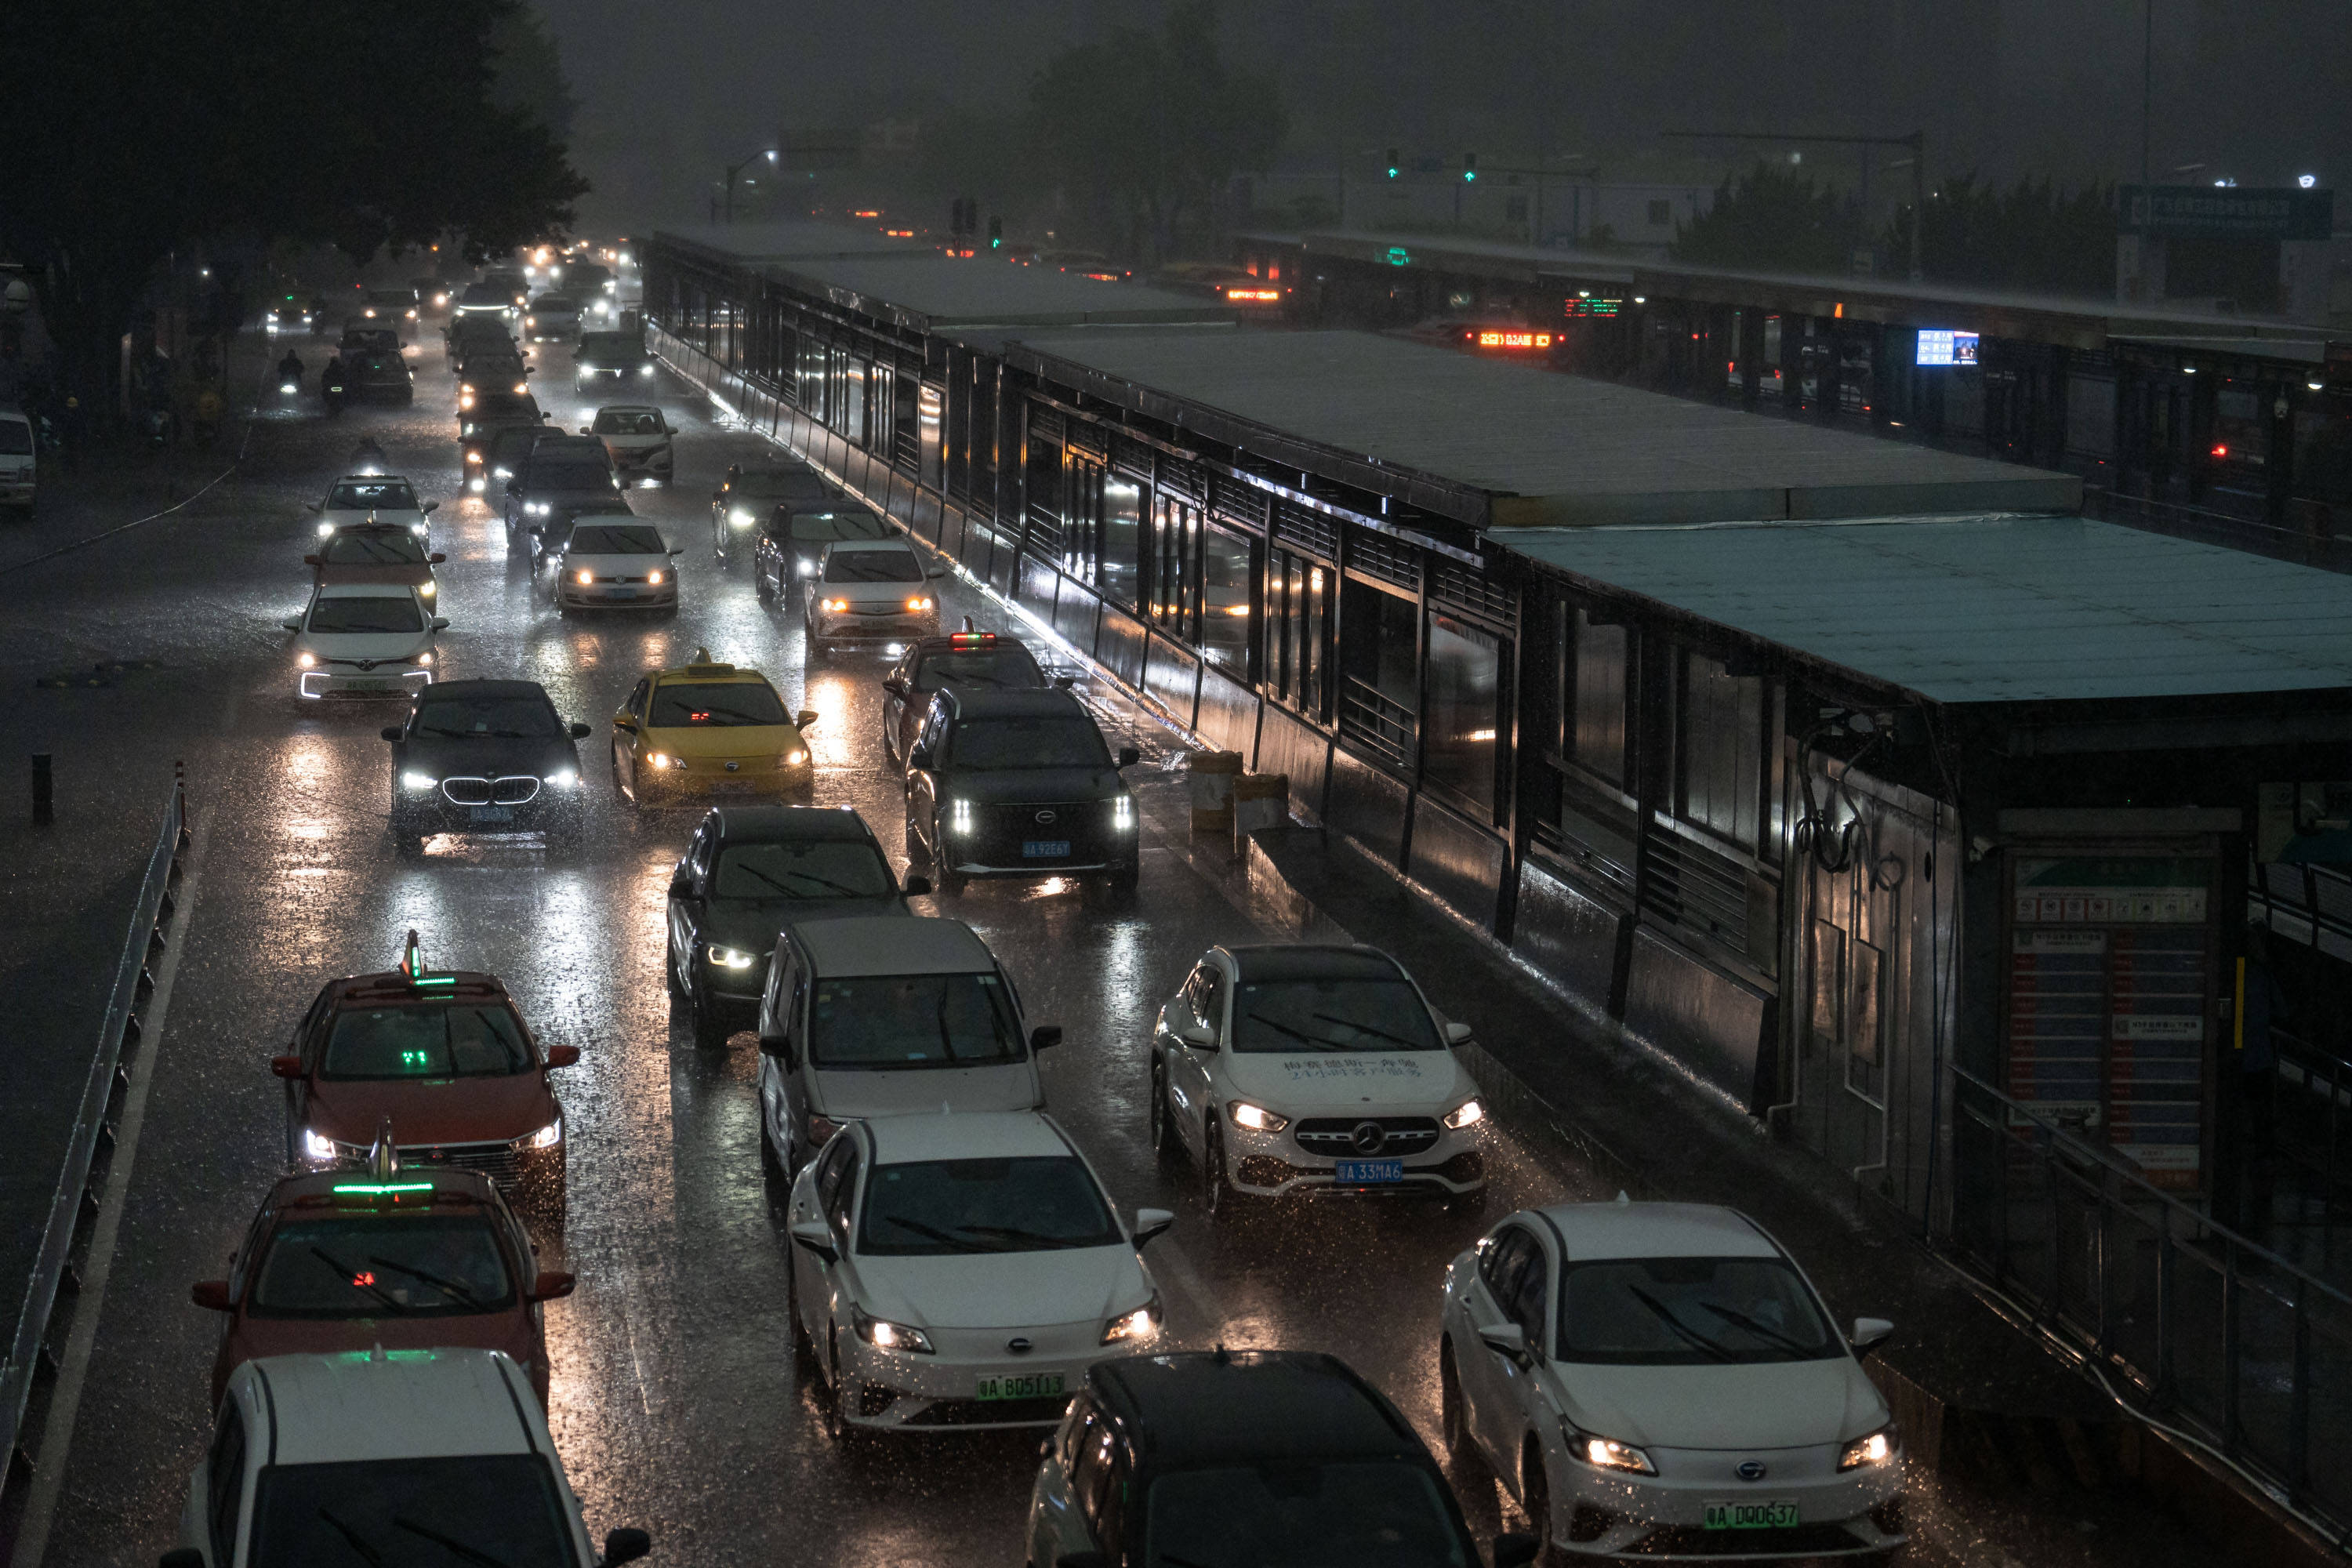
[(371, 495), (459, 1512), (803, 868), (427, 1040), (887, 1021), (1040, 742), (552, 303), (391, 297), (825, 527), (570, 476), (873, 566), (372, 547), (1377, 1513), (781, 484), (628, 422), (1689, 1311), (609, 348), (1342, 1014), (485, 294), (1002, 667), (494, 365), (715, 704), (411, 1262), (488, 406), (617, 539), (16, 436), (384, 616), (930, 1208), (470, 718)]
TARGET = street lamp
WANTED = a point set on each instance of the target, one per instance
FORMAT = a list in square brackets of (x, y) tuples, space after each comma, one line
[(734, 170)]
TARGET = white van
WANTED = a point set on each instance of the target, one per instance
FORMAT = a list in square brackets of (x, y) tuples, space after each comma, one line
[(16, 461)]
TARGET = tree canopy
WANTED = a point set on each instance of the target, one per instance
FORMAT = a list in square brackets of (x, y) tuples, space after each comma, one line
[(1775, 217)]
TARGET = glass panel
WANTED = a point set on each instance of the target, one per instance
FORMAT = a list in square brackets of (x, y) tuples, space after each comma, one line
[(852, 402), (927, 408), (1224, 597), (1596, 699), (1721, 754), (1459, 727), (1122, 538)]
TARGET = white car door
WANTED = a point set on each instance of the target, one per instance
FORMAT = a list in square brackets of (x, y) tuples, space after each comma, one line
[(1511, 1267), (813, 1279), (1192, 1069), (782, 1007)]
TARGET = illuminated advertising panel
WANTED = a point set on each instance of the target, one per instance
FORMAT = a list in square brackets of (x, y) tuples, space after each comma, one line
[(1937, 346)]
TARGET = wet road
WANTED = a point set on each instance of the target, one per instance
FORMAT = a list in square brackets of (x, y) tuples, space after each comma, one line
[(673, 1396)]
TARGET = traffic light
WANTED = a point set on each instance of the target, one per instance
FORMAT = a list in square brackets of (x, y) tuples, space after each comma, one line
[(1469, 167), (1396, 164), (996, 234)]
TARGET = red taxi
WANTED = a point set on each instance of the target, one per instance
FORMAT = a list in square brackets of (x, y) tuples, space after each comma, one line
[(404, 1259), (444, 1060)]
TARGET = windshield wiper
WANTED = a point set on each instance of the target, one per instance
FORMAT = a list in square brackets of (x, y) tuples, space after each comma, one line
[(1741, 1321), (933, 1233), (360, 1543), (806, 877), (448, 1287), (1015, 1233), (470, 1553), (1365, 1029), (1303, 1039), (1683, 1330), (351, 1274)]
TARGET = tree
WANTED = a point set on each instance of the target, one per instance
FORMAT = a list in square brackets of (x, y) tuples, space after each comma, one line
[(1144, 129), (1772, 218), (138, 127), (2033, 235)]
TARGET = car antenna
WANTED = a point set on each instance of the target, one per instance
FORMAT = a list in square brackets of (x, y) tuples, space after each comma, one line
[(1621, 1197), (702, 656), (412, 958), (968, 625), (383, 1154)]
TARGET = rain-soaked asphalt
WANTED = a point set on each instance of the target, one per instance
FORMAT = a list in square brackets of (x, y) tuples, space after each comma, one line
[(674, 1395)]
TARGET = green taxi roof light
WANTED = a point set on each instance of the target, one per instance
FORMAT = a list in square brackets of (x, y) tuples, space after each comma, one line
[(376, 1189)]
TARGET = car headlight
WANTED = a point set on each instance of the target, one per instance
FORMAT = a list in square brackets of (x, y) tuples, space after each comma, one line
[(663, 760), (1256, 1118), (884, 1335), (1140, 1325), (731, 957), (653, 579), (316, 1146), (645, 369), (1122, 814), (1605, 1453), (806, 569), (427, 590), (740, 517), (959, 817), (425, 658), (547, 1137), (563, 778), (919, 602), (474, 484), (305, 660), (583, 577), (536, 508), (418, 781), (1469, 1113), (838, 606), (1868, 1453), (325, 529), (476, 459), (795, 757), (521, 387)]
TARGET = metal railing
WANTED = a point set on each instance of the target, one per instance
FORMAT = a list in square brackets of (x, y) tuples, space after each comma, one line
[(2213, 1333), (1377, 722), (31, 1362)]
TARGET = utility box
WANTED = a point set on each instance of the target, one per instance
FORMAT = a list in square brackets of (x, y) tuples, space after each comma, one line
[(1260, 801), (1213, 773)]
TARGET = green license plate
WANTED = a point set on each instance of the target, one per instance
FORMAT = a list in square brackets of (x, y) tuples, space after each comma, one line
[(1028, 1386), (1750, 1515)]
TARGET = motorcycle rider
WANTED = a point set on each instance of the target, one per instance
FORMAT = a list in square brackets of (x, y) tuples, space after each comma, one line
[(333, 383), (290, 372)]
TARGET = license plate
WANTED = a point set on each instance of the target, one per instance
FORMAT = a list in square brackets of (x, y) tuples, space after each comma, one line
[(623, 592), (1750, 1515), (1026, 1385), (1362, 1172), (494, 814), (1041, 848), (730, 786), (365, 683)]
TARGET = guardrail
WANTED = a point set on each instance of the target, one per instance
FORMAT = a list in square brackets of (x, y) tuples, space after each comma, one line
[(31, 1363), (2215, 1335)]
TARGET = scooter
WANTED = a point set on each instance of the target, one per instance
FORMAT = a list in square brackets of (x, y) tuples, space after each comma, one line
[(158, 427)]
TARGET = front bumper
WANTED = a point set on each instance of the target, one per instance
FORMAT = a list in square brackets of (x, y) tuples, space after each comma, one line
[(19, 491), (655, 461), (514, 804), (700, 780), (903, 626), (887, 1389), (1277, 1165), (576, 596), (1663, 1518), (1001, 837), (382, 682), (510, 1163)]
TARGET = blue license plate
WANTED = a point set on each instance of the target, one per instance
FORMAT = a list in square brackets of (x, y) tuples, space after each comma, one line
[(494, 814), (1043, 848), (1362, 1173)]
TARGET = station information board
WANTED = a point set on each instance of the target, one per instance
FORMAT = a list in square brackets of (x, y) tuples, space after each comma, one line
[(2110, 1001), (1937, 346)]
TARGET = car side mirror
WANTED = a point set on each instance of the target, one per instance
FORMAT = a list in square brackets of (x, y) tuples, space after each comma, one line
[(1064, 682), (896, 685), (1869, 1333), (1506, 1340), (625, 1544), (181, 1557), (587, 430), (440, 622), (313, 508), (429, 508), (779, 1047), (580, 731), (678, 549), (804, 717), (311, 561), (681, 883), (1128, 756), (938, 569), (436, 559), (1045, 1035), (916, 887), (212, 1295), (391, 733), (919, 759), (1456, 1032), (1513, 1549), (562, 1055), (554, 1285), (286, 1066), (622, 721), (815, 1235), (1197, 1035), (292, 625), (1149, 1223)]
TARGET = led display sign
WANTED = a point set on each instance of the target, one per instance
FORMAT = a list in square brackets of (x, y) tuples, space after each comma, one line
[(1510, 340), (1253, 296), (1937, 346), (1586, 305)]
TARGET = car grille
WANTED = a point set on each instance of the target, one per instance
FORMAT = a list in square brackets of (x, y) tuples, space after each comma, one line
[(513, 790), (984, 1411), (736, 767), (1336, 1136), (1802, 1539), (498, 1162), (620, 579)]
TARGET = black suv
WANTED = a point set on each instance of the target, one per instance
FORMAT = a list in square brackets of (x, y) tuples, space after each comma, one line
[(1244, 1456), (612, 359), (751, 871), (979, 661), (483, 755), (750, 493), (1018, 784), (559, 472), (492, 411)]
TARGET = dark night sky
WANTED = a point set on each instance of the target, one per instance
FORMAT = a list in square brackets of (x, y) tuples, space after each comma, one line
[(668, 91)]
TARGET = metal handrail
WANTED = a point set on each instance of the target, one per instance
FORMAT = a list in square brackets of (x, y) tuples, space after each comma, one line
[(120, 1031), (1369, 715)]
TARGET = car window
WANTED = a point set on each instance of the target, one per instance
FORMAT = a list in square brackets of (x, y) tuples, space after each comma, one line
[(780, 484), (836, 1207), (829, 1173), (387, 614), (503, 1508), (1090, 1482), (1352, 1013), (627, 422), (1684, 1311), (711, 704), (1377, 1513), (408, 1265), (636, 703), (803, 869), (389, 547), (873, 566), (1209, 1005), (1043, 741), (1080, 1415), (15, 437), (427, 1040), (884, 1022), (469, 716), (1003, 667), (1525, 1304), (618, 539), (698, 854), (933, 1208), (1505, 1260), (825, 527), (225, 1482), (371, 495)]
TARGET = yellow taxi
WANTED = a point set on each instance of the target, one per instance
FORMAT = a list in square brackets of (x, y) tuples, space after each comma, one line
[(705, 729)]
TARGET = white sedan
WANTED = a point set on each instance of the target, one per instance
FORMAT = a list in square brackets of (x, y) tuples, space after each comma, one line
[(371, 498), (869, 589), (960, 1272), (1663, 1380), (364, 640)]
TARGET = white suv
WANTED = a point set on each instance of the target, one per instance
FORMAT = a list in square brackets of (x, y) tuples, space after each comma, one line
[(1292, 1069), (380, 1455)]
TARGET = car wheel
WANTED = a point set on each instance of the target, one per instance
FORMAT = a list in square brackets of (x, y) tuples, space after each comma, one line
[(1164, 1142), (1534, 1501), (710, 1030), (803, 1347), (1453, 1415), (1217, 1195)]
